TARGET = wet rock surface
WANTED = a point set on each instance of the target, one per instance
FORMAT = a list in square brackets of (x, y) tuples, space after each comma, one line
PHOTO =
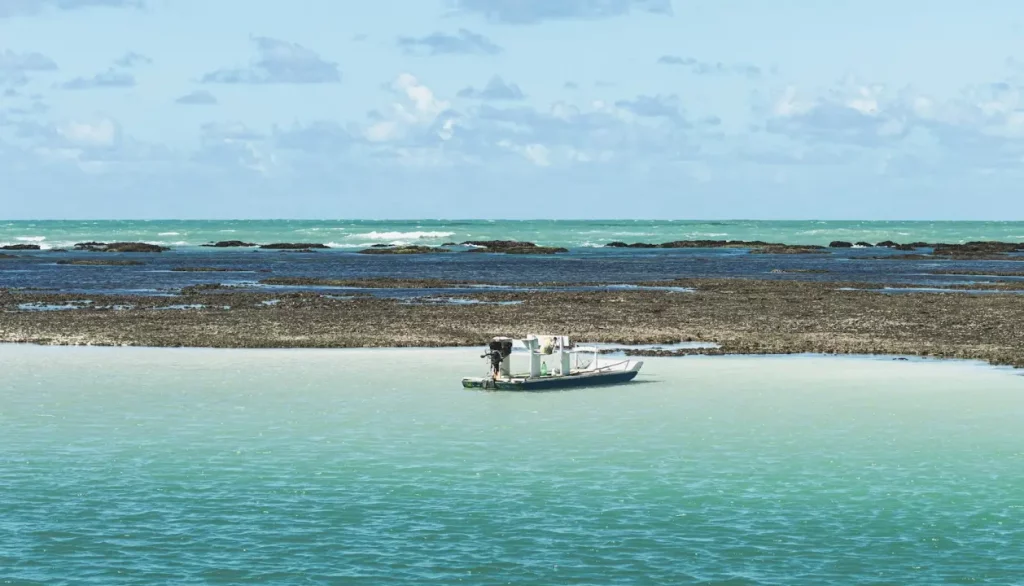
[(743, 316), (755, 246), (229, 244), (120, 247), (512, 247), (20, 247), (411, 249)]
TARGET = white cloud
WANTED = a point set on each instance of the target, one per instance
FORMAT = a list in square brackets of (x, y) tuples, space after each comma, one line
[(100, 133), (416, 109), (279, 61), (535, 153)]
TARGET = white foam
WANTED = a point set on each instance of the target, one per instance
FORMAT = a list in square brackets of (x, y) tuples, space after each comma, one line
[(31, 238), (168, 234), (42, 245), (359, 245), (401, 235)]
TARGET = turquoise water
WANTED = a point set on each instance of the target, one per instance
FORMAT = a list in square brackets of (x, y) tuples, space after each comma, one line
[(190, 466), (568, 233)]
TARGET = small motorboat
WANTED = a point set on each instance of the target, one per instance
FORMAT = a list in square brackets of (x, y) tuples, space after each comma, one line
[(572, 366)]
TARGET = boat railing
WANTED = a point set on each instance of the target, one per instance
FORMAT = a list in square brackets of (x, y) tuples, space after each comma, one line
[(610, 366)]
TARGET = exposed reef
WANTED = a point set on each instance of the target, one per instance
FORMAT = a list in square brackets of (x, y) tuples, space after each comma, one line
[(404, 250), (755, 246), (512, 247), (742, 316), (120, 247), (229, 244)]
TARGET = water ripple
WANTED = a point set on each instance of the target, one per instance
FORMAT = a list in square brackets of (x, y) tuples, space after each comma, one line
[(325, 468)]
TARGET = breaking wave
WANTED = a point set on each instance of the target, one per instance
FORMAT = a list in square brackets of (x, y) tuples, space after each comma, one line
[(401, 235)]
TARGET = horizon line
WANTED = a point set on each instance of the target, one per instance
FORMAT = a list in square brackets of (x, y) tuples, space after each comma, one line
[(494, 220)]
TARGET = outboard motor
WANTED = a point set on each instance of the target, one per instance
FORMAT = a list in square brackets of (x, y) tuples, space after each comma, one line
[(497, 351)]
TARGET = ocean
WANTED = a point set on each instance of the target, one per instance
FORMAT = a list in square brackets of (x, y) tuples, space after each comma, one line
[(354, 234), (588, 259), (189, 466)]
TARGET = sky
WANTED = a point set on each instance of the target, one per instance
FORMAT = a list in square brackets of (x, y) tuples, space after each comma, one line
[(682, 109)]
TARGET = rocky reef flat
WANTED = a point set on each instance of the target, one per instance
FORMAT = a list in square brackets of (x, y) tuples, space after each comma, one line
[(742, 316)]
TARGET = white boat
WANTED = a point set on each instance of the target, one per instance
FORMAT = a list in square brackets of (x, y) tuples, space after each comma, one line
[(572, 366)]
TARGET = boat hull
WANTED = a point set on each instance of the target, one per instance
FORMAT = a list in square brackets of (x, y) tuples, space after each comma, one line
[(551, 383)]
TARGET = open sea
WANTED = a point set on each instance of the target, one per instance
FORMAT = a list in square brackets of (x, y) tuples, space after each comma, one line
[(189, 466), (356, 234), (587, 261)]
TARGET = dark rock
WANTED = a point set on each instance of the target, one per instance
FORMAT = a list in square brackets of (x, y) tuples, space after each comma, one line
[(776, 247), (135, 247), (970, 248), (381, 245), (202, 288), (20, 247), (120, 247), (229, 244), (293, 246), (717, 244), (404, 250), (512, 247), (905, 247), (536, 250), (498, 244), (840, 244), (449, 244), (633, 245), (865, 244), (887, 244)]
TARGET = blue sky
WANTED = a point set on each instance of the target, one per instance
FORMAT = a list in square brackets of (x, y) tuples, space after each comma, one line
[(844, 109)]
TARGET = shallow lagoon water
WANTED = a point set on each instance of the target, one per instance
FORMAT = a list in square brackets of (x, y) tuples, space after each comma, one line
[(376, 467)]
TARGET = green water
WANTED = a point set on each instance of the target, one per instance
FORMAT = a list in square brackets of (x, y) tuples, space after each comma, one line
[(356, 234), (374, 467)]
